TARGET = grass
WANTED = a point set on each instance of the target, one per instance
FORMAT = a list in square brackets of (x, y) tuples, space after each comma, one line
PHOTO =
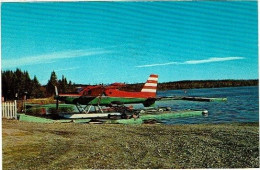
[(20, 103), (84, 146), (39, 110), (41, 100)]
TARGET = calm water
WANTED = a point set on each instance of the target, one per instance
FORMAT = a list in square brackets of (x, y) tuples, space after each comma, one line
[(242, 105)]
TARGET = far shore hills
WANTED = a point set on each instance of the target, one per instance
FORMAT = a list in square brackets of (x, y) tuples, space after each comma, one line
[(192, 84)]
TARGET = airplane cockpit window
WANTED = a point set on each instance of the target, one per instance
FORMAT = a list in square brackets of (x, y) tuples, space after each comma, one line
[(79, 90)]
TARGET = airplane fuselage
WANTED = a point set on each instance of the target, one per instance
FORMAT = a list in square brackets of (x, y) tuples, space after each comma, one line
[(104, 100), (106, 95)]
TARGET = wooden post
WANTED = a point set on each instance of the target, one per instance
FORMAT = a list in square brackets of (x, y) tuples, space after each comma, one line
[(7, 109), (12, 110), (3, 110), (15, 109)]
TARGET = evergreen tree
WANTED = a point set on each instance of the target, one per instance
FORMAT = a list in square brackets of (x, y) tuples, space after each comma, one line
[(27, 83), (19, 83), (63, 85), (50, 87), (36, 88), (71, 87)]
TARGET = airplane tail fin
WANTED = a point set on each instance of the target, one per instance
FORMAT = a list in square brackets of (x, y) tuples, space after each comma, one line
[(151, 85)]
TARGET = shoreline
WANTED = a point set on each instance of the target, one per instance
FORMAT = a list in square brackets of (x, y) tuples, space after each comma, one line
[(196, 84), (68, 145)]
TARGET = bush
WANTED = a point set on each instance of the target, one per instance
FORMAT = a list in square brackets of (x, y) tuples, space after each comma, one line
[(35, 111), (53, 110)]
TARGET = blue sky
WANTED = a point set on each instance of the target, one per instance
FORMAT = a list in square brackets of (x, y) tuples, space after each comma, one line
[(105, 42)]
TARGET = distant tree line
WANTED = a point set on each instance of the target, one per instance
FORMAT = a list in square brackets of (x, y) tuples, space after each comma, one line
[(196, 84), (206, 84), (17, 84)]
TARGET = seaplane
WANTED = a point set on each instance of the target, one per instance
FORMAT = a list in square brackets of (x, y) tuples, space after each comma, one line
[(110, 95)]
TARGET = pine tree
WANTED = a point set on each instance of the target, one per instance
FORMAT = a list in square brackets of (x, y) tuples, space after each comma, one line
[(35, 90), (27, 82), (8, 85), (50, 87), (63, 85), (71, 87), (17, 82)]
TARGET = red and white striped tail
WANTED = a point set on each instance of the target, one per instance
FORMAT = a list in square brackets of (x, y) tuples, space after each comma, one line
[(151, 84)]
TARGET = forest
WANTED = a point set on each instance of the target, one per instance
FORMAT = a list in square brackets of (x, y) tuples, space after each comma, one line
[(193, 84), (18, 84)]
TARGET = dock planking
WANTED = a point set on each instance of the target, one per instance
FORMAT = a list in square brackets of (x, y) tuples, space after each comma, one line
[(200, 99)]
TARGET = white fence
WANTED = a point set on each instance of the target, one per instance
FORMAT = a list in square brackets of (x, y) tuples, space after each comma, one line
[(9, 110)]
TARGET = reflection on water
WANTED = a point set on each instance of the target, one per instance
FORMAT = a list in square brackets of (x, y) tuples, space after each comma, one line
[(242, 105)]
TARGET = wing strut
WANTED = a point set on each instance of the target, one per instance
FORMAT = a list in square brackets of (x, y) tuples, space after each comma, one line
[(87, 108)]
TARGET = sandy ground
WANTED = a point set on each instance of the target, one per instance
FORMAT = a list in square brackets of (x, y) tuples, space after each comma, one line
[(82, 146)]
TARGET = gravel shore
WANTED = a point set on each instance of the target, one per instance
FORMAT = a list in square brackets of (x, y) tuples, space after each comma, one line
[(85, 146)]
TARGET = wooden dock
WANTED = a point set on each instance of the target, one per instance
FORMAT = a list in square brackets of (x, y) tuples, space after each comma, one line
[(86, 118), (161, 116), (200, 99), (90, 115)]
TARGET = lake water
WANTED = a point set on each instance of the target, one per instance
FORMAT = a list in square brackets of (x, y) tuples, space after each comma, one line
[(242, 105)]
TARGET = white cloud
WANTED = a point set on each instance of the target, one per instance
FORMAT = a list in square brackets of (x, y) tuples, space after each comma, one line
[(50, 58), (65, 69), (210, 60), (162, 64)]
